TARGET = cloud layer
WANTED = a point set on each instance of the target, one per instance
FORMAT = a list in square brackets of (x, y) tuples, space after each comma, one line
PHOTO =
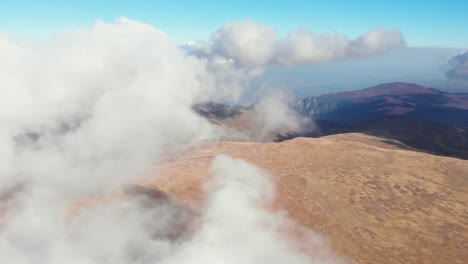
[(255, 45), (90, 111), (116, 92)]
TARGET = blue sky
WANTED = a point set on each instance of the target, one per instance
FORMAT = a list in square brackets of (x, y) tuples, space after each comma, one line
[(424, 23)]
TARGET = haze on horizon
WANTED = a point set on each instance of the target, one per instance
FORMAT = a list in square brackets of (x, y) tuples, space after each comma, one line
[(434, 32)]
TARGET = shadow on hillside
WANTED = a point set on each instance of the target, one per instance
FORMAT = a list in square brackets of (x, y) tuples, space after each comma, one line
[(403, 132)]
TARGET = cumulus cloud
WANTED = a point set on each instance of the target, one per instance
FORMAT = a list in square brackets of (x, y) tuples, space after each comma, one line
[(90, 111), (375, 42), (254, 45), (459, 67), (86, 113), (123, 91), (250, 44)]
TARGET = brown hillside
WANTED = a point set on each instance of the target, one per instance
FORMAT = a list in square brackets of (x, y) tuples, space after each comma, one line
[(374, 202)]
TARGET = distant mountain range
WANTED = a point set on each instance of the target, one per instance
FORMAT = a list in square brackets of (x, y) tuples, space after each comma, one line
[(403, 99), (418, 117), (422, 118)]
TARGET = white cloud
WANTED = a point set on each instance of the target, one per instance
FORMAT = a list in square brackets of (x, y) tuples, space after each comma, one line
[(128, 87), (236, 227), (459, 68), (253, 45), (248, 43), (90, 111), (302, 47), (375, 42), (273, 116)]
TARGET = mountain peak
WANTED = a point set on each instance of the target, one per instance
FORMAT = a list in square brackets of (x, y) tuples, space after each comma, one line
[(388, 99)]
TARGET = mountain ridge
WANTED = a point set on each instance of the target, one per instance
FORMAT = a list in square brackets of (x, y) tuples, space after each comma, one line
[(387, 99), (422, 118), (375, 202)]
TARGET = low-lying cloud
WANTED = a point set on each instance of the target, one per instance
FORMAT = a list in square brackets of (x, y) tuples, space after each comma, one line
[(273, 116), (90, 111), (236, 228)]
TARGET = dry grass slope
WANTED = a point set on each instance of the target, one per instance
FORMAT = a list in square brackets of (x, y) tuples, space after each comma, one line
[(374, 202)]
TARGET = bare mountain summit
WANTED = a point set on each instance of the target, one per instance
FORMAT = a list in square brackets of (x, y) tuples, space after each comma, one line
[(405, 99), (376, 203)]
